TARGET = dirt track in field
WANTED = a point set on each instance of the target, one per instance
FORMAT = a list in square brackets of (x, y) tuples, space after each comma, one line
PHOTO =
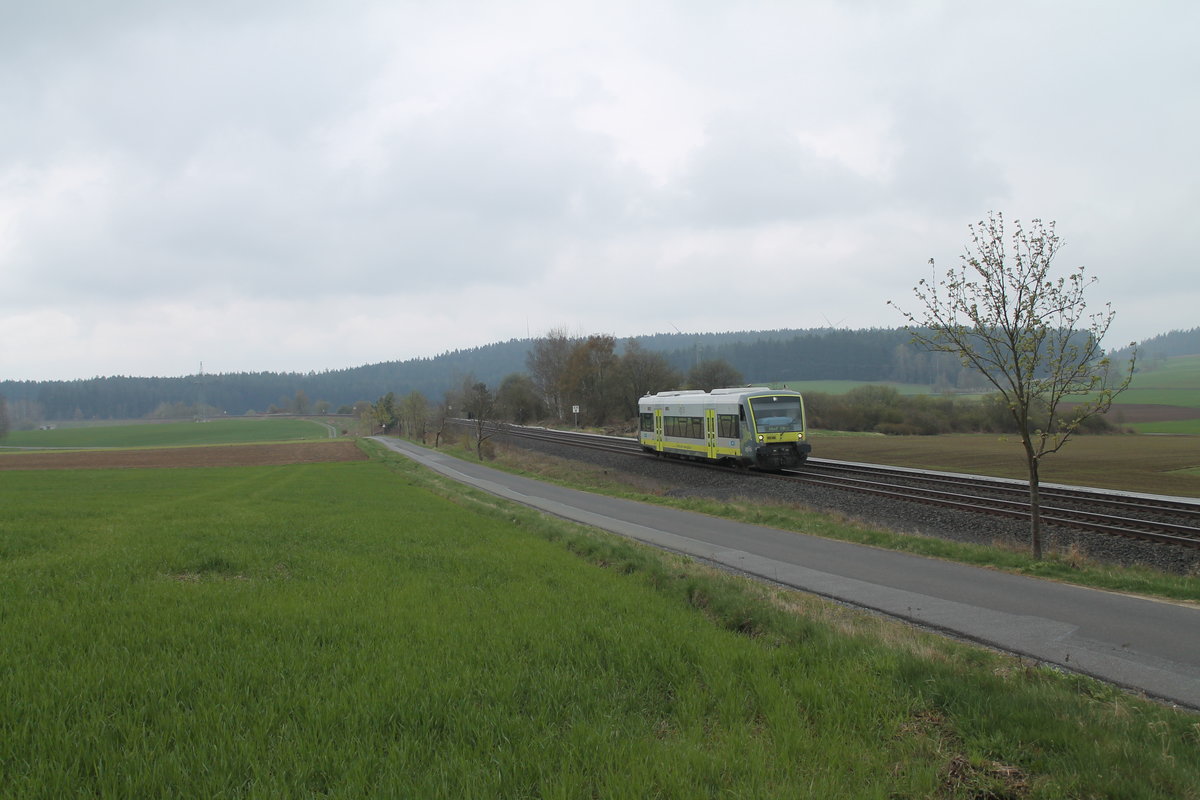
[(223, 456)]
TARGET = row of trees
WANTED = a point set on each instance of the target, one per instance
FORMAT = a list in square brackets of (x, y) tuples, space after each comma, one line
[(588, 374), (583, 380), (409, 415), (869, 408)]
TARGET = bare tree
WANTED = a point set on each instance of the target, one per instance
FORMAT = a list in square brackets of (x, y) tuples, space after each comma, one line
[(442, 416), (1029, 334), (414, 415), (588, 377), (640, 373), (383, 412), (547, 364), (518, 399), (479, 405), (716, 373)]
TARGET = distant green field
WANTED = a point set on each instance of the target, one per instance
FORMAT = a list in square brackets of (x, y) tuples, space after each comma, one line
[(1175, 383), (1180, 372), (841, 387), (1180, 427), (170, 434)]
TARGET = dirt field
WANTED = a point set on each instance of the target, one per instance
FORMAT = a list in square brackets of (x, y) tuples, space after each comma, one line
[(223, 456), (1134, 412), (1153, 464)]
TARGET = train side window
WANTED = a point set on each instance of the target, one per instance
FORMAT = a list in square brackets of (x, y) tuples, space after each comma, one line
[(647, 422), (672, 426), (727, 426)]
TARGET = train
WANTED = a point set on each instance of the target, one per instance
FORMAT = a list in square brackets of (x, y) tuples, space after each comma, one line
[(748, 426)]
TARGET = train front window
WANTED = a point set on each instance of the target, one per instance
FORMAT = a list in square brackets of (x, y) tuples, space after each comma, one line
[(777, 414)]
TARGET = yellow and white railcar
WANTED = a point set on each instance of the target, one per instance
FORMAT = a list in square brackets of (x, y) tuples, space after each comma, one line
[(755, 426)]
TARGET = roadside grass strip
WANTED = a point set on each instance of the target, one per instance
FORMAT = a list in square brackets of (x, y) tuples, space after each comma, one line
[(367, 629)]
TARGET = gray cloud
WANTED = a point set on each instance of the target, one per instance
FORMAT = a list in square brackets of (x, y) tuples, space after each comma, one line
[(748, 173), (557, 164)]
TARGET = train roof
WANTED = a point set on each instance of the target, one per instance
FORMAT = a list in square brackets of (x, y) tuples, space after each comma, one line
[(699, 397)]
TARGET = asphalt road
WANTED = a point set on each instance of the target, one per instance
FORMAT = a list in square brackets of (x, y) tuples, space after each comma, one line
[(1143, 645)]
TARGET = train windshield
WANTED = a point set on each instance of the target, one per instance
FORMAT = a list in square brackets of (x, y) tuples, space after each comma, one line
[(779, 414)]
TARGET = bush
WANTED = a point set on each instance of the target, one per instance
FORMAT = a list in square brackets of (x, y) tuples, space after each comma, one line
[(882, 409)]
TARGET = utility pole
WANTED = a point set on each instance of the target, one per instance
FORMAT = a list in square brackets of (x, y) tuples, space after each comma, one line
[(200, 414)]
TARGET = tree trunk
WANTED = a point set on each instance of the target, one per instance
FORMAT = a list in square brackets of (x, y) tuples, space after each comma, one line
[(1035, 509)]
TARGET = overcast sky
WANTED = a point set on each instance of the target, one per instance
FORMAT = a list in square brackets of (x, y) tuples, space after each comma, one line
[(270, 185)]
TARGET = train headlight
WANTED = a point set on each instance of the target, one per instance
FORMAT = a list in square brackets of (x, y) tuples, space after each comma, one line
[(761, 438)]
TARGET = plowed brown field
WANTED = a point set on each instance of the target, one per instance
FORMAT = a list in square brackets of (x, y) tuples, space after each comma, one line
[(222, 456), (1136, 412)]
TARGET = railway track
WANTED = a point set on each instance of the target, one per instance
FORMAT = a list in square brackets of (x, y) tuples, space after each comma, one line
[(1174, 521)]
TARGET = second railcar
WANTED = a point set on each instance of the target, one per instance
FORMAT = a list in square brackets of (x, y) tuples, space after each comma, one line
[(756, 426)]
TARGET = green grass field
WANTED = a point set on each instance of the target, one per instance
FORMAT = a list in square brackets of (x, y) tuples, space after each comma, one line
[(842, 387), (170, 434), (1175, 383), (1179, 427), (364, 629), (1180, 373)]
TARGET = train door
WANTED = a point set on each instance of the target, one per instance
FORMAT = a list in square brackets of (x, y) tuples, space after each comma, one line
[(710, 433), (658, 429)]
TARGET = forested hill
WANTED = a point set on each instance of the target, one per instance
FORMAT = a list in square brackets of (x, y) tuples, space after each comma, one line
[(760, 356), (1166, 345)]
